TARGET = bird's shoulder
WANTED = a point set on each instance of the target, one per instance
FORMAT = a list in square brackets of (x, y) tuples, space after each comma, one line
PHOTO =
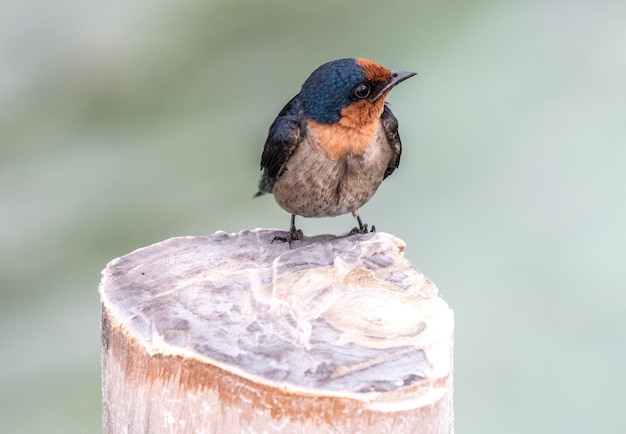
[(285, 134), (390, 127)]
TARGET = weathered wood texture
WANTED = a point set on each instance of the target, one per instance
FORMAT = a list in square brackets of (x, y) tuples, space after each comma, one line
[(228, 333)]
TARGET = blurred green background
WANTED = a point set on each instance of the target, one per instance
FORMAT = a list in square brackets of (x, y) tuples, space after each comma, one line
[(125, 123)]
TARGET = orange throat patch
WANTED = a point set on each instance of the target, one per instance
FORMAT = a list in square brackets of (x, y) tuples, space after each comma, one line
[(354, 132), (338, 141)]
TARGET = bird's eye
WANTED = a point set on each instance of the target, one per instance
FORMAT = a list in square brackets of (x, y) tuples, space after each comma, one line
[(362, 90)]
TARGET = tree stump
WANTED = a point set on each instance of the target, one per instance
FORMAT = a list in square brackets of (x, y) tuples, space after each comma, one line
[(230, 333)]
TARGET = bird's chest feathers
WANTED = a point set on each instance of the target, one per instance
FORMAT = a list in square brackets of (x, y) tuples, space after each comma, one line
[(352, 135)]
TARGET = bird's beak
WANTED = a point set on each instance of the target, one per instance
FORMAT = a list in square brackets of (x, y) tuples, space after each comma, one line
[(396, 77)]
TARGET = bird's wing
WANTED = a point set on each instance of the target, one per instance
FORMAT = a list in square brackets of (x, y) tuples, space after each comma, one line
[(390, 126), (284, 136)]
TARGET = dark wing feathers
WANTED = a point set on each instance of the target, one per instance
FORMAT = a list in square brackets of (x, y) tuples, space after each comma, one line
[(284, 136), (390, 126)]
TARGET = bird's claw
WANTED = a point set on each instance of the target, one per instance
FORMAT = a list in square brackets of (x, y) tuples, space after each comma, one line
[(292, 235), (362, 229)]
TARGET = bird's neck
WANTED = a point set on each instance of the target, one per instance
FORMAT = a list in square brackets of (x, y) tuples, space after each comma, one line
[(354, 132), (338, 141), (361, 114)]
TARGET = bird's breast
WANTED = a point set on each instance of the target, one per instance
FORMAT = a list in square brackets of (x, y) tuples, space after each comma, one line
[(322, 179)]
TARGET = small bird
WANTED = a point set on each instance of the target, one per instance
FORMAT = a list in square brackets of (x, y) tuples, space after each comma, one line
[(334, 143)]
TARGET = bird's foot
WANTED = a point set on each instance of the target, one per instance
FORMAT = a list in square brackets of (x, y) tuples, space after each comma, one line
[(293, 234), (363, 228)]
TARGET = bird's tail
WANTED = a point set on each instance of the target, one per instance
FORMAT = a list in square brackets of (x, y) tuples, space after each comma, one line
[(265, 186)]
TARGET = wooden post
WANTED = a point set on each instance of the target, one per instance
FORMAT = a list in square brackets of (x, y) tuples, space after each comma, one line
[(228, 333)]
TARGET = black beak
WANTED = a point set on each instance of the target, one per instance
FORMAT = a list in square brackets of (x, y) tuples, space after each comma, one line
[(396, 77)]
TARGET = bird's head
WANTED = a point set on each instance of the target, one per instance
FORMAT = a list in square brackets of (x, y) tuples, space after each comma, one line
[(350, 92)]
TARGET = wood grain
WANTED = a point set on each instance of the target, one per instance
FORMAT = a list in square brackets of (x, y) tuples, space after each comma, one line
[(230, 333)]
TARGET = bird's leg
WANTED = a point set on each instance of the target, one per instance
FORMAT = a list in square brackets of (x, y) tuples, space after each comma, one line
[(294, 234), (362, 229)]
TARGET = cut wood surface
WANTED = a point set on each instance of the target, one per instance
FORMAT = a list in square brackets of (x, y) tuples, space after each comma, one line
[(231, 333)]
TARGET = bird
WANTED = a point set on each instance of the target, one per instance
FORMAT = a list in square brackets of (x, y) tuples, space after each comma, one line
[(333, 144)]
